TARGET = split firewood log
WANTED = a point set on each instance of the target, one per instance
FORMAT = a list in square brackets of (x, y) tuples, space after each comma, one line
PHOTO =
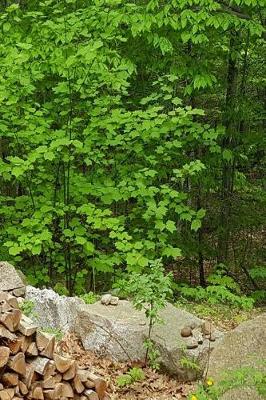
[(78, 385), (26, 341), (62, 363), (17, 363), (49, 383), (27, 326), (66, 390), (91, 395), (5, 306), (22, 388), (50, 370), (32, 350), (4, 355), (9, 379), (16, 345), (30, 376), (45, 343), (37, 393), (49, 394), (71, 372), (11, 319), (11, 300), (7, 394), (4, 333), (100, 384), (40, 364)]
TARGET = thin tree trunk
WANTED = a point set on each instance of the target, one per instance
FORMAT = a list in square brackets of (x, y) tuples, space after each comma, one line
[(228, 167)]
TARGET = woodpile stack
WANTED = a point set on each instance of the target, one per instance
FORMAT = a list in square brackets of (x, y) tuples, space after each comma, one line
[(29, 366)]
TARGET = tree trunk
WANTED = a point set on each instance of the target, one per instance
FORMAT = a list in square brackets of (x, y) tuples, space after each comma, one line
[(228, 166)]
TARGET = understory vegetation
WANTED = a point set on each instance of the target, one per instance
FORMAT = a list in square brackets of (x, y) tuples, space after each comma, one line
[(132, 134)]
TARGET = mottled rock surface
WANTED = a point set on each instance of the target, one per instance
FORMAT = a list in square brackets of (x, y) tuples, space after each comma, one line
[(120, 331), (10, 278), (51, 310), (244, 346)]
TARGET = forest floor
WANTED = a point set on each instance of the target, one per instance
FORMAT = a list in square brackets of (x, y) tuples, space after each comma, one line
[(155, 386)]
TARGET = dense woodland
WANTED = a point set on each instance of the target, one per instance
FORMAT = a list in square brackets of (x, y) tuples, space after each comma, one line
[(132, 131)]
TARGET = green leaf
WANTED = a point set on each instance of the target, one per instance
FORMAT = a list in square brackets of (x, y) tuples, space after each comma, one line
[(89, 247), (80, 240), (170, 226), (227, 155), (196, 224)]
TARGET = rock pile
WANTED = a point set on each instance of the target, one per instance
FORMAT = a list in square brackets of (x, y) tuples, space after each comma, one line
[(29, 366), (109, 300), (195, 335)]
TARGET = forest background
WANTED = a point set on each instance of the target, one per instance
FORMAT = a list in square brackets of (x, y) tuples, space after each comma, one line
[(132, 131)]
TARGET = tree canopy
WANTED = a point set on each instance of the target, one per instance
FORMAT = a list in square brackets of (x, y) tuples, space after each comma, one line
[(132, 131)]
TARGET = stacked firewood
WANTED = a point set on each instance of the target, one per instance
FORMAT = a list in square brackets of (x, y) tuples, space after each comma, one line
[(29, 366)]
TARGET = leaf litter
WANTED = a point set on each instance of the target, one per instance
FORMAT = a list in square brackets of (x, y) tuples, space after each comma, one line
[(156, 385)]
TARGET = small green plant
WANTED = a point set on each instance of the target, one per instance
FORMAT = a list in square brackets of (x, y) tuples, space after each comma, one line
[(27, 307), (189, 364), (242, 377), (61, 289), (58, 334), (89, 298), (149, 292), (152, 354), (133, 375)]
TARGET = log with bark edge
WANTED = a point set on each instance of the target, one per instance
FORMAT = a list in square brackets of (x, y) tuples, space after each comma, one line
[(4, 355)]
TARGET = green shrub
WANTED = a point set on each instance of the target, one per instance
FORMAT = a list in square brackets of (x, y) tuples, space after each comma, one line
[(133, 375), (27, 307), (89, 298), (58, 334), (242, 377), (61, 289), (222, 289)]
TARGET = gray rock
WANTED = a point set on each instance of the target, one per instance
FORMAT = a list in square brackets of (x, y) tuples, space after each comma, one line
[(191, 343), (212, 337), (207, 328), (19, 292), (119, 332), (186, 331), (106, 299), (242, 347), (51, 310), (10, 278), (198, 336), (193, 325), (114, 300)]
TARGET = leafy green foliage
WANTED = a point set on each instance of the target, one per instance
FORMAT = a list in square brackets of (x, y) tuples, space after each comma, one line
[(58, 334), (131, 139), (222, 289), (152, 354), (149, 290), (89, 298), (189, 364), (133, 375), (239, 378), (61, 289), (27, 307)]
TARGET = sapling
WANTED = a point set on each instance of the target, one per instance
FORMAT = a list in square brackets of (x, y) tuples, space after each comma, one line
[(149, 291)]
